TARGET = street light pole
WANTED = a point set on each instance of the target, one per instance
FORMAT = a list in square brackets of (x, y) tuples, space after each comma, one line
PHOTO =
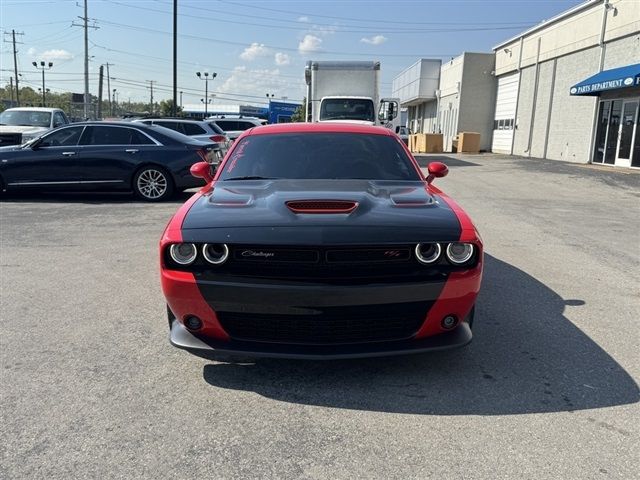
[(43, 66), (206, 87), (269, 97)]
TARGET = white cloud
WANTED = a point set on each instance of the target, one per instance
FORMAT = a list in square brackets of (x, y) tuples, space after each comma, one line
[(257, 82), (303, 19), (324, 30), (56, 54), (282, 59), (375, 40), (254, 51), (31, 52), (310, 43)]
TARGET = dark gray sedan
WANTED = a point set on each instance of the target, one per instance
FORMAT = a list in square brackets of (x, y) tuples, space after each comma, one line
[(153, 162)]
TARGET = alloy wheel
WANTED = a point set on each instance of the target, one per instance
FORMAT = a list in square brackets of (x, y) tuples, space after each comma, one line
[(152, 183)]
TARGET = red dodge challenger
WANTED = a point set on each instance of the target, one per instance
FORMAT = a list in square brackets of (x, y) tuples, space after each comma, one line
[(320, 241)]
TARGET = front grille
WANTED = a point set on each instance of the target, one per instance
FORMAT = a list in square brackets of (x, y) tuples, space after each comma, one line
[(345, 265), (329, 326), (7, 139)]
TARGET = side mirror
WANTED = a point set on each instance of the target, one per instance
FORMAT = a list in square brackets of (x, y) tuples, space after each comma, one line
[(391, 113), (202, 170), (436, 170), (388, 110)]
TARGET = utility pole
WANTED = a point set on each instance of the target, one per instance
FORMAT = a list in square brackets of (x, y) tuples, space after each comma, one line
[(109, 88), (11, 84), (86, 62), (174, 109), (151, 82), (15, 61), (100, 93), (86, 26)]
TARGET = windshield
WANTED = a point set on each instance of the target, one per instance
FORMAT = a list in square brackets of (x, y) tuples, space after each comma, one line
[(319, 156), (347, 109), (25, 118)]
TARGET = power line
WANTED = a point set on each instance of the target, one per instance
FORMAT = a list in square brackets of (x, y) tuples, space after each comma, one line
[(137, 55), (288, 49), (360, 20), (361, 30)]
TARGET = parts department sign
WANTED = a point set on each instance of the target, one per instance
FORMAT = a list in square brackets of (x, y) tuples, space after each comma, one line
[(607, 85)]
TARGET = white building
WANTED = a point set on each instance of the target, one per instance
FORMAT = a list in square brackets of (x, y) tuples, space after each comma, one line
[(569, 88), (450, 97), (416, 88)]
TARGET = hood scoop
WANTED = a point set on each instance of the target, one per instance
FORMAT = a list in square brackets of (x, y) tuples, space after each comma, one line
[(321, 206)]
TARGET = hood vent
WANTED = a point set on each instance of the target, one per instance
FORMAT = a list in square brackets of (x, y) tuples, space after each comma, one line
[(321, 206)]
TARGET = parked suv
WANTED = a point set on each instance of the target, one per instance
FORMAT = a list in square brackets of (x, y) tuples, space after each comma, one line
[(22, 124), (233, 126), (205, 131)]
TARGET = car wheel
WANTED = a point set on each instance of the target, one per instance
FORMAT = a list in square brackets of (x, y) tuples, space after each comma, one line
[(152, 184)]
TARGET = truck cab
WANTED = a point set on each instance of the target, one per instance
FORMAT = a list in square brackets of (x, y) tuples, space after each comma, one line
[(22, 124), (358, 109), (346, 91)]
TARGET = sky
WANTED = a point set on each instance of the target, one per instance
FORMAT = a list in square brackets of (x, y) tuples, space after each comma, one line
[(255, 47)]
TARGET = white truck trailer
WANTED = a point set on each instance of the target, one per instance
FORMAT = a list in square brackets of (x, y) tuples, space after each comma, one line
[(349, 92)]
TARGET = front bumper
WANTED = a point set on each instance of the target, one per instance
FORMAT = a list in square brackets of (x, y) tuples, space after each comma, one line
[(181, 337), (211, 301)]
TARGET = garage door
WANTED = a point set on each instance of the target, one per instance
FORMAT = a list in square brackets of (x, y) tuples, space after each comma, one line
[(504, 120)]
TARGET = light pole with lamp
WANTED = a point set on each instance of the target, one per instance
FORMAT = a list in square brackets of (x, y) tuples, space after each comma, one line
[(48, 90), (43, 66), (206, 87), (206, 105), (269, 97)]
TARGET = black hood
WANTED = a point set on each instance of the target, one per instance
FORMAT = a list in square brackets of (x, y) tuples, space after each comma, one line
[(256, 211)]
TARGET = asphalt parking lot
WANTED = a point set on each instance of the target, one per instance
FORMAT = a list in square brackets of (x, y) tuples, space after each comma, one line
[(91, 388)]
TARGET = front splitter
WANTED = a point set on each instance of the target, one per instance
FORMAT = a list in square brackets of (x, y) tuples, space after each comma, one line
[(182, 338)]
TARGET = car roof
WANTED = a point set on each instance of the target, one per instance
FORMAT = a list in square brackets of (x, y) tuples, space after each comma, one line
[(233, 117), (167, 132), (169, 119), (322, 127), (34, 109), (119, 123)]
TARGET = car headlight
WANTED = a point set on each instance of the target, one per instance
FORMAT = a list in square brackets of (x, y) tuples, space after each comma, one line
[(215, 253), (459, 253), (183, 253), (428, 252)]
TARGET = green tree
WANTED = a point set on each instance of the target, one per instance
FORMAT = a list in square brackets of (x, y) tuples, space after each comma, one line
[(299, 114), (166, 108)]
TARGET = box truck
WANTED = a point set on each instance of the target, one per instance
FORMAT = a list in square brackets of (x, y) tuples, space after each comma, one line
[(348, 91)]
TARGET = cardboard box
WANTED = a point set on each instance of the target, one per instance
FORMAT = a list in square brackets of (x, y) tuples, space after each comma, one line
[(468, 142), (425, 143)]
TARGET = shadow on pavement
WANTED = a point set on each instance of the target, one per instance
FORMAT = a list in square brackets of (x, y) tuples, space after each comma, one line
[(424, 160), (526, 358), (86, 197)]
